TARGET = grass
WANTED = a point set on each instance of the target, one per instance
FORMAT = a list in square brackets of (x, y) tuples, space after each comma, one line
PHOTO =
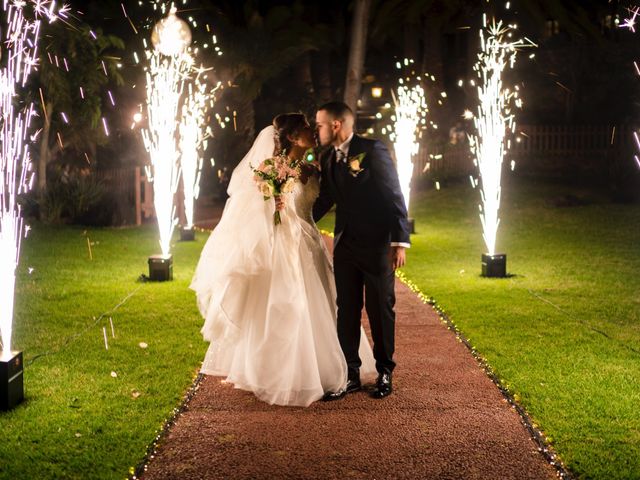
[(563, 333), (79, 421)]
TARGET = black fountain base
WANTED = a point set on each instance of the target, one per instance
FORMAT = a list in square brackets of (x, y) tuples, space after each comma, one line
[(11, 380), (160, 268), (187, 234), (412, 225), (494, 265)]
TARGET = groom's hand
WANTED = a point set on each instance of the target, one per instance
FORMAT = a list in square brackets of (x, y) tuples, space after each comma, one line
[(397, 257)]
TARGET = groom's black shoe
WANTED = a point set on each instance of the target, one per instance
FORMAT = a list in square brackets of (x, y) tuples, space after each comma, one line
[(353, 385), (337, 395), (383, 386)]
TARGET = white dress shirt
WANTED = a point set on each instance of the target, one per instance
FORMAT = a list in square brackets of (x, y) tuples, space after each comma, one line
[(344, 147)]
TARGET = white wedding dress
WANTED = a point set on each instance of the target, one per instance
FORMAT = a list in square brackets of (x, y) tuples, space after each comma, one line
[(267, 295)]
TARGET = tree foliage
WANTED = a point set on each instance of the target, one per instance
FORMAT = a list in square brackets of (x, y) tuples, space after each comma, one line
[(76, 67)]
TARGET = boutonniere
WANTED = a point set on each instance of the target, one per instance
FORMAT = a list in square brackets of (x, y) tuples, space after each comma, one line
[(355, 163)]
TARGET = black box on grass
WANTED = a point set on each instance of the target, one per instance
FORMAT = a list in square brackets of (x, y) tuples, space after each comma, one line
[(160, 268), (494, 265), (412, 225), (11, 380), (187, 234)]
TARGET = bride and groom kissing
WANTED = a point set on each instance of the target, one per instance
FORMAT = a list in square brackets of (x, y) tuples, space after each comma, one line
[(282, 317)]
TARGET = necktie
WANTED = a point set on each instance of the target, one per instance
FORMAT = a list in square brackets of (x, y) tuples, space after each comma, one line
[(340, 156)]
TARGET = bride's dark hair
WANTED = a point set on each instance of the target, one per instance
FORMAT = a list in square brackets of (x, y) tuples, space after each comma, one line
[(286, 125)]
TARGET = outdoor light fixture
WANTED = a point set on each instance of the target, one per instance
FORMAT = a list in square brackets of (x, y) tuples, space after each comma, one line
[(160, 268), (11, 380), (494, 265), (376, 92)]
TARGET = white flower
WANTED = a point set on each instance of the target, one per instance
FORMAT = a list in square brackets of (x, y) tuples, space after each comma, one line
[(354, 164), (266, 190), (288, 185)]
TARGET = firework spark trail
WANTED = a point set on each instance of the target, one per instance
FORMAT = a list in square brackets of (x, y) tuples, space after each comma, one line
[(16, 171), (494, 120), (165, 82), (630, 23), (193, 137), (177, 101), (410, 110)]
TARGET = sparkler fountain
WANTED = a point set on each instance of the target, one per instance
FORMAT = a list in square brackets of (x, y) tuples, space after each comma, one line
[(410, 111), (630, 23), (495, 118), (169, 65), (410, 108), (16, 172), (193, 137)]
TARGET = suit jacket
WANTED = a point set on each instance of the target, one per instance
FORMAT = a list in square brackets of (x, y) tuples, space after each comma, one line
[(370, 205)]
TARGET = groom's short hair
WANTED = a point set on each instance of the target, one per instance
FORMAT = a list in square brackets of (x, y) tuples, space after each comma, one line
[(337, 110)]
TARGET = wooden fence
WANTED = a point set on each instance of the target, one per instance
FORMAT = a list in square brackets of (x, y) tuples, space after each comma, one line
[(541, 149), (132, 190)]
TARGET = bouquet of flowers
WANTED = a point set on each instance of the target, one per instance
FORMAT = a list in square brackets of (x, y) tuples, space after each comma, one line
[(276, 176)]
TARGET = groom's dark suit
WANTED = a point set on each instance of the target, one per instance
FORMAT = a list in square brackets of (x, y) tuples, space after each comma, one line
[(370, 216)]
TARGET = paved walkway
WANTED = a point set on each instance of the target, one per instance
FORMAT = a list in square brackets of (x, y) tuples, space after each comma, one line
[(445, 420)]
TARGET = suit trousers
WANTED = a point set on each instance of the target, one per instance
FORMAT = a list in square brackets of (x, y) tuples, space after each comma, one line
[(364, 277)]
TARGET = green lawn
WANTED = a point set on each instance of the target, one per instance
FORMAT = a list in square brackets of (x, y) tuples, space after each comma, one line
[(79, 421), (563, 333)]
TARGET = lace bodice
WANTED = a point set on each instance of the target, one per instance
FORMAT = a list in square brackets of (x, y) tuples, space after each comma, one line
[(305, 196)]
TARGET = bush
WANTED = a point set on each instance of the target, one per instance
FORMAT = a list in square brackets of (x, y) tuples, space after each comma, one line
[(70, 199)]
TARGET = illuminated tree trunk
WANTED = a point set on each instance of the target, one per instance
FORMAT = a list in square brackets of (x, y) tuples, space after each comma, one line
[(357, 53)]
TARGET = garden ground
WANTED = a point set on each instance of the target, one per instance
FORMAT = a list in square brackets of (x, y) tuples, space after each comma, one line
[(562, 333)]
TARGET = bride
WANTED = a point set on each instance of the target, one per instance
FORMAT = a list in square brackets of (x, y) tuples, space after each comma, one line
[(267, 292)]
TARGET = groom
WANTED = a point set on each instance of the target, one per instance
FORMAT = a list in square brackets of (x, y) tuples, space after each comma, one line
[(371, 234)]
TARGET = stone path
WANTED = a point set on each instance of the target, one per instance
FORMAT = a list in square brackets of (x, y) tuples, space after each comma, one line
[(445, 420)]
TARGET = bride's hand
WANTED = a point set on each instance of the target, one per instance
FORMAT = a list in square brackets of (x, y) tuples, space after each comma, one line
[(279, 202)]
